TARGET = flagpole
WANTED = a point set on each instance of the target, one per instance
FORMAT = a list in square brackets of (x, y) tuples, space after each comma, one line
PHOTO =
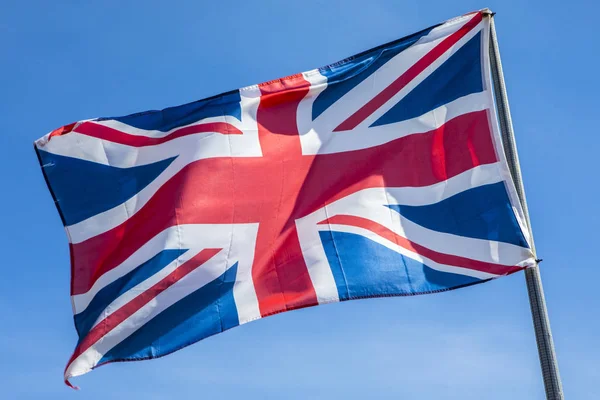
[(539, 312)]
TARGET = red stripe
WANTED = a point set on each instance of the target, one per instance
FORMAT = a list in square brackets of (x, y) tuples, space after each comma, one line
[(386, 94), (412, 161), (117, 317), (441, 258), (63, 130), (114, 135), (279, 272)]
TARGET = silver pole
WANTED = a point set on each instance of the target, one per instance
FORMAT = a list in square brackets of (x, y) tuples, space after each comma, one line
[(539, 313)]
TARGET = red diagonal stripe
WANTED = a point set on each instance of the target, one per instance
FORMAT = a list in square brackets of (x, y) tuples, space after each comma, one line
[(114, 135), (116, 318), (386, 94), (441, 258), (63, 130)]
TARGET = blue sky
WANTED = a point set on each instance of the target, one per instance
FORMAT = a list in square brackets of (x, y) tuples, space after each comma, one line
[(63, 61)]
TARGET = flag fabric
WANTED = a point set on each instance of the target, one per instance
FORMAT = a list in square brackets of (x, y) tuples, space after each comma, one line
[(380, 175)]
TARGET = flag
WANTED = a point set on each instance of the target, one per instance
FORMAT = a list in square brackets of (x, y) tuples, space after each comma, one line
[(380, 175)]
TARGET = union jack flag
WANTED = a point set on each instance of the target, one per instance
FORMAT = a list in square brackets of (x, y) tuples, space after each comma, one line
[(380, 175)]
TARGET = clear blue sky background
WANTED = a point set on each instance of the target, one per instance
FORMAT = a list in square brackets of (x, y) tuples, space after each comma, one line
[(62, 61)]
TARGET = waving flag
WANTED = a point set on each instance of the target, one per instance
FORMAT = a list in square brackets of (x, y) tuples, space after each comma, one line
[(380, 175)]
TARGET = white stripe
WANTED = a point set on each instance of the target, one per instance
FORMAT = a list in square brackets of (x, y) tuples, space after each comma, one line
[(315, 258), (318, 142), (453, 269), (512, 191), (244, 291), (420, 196), (132, 130), (489, 251)]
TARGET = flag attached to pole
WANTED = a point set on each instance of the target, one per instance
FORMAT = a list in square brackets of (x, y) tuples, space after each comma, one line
[(380, 175)]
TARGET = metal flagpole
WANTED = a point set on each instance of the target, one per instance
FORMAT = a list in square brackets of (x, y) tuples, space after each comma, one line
[(539, 313)]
